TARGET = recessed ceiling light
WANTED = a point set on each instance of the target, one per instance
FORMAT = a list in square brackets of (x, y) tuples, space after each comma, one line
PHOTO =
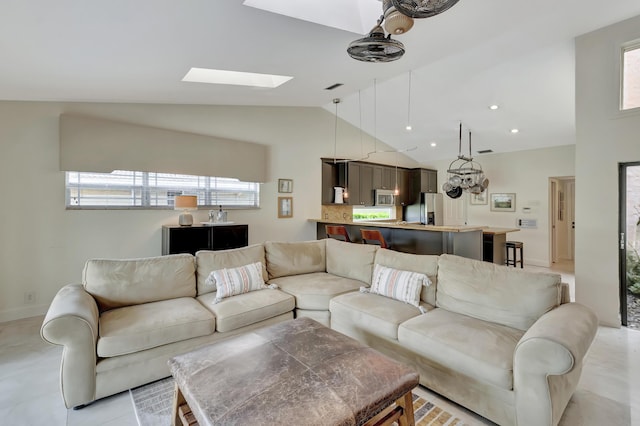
[(493, 107), (514, 130), (433, 144), (236, 78), (408, 127)]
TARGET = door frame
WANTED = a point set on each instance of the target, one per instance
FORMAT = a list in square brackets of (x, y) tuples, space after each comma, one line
[(622, 242), (622, 236)]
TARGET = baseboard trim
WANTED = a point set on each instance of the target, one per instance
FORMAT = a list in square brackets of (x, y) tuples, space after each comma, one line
[(13, 314)]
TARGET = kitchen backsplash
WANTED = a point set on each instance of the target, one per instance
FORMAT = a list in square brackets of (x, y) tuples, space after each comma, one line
[(337, 213)]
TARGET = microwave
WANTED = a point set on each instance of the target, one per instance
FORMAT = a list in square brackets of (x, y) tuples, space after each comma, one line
[(384, 197)]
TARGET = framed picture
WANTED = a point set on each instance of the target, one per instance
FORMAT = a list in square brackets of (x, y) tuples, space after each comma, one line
[(479, 199), (285, 207), (505, 202), (285, 185)]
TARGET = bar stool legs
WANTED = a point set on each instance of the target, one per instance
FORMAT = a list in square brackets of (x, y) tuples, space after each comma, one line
[(511, 247)]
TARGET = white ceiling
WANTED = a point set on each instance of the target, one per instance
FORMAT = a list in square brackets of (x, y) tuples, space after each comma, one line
[(518, 54)]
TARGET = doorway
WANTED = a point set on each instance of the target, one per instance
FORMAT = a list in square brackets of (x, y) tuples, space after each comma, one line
[(629, 249), (562, 220)]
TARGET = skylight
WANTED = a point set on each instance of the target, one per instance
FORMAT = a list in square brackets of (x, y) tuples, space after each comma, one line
[(356, 16), (204, 75)]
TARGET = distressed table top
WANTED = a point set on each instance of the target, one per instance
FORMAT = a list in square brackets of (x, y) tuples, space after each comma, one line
[(295, 371)]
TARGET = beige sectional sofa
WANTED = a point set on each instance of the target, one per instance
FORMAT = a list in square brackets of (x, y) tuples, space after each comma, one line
[(500, 341)]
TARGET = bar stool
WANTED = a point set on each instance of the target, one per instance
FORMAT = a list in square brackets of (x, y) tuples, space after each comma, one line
[(337, 232), (373, 236), (511, 247)]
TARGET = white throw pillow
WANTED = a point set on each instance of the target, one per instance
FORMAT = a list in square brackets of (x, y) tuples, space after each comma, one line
[(404, 286), (234, 281)]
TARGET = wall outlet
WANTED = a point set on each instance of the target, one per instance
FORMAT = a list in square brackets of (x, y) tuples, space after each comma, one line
[(30, 297)]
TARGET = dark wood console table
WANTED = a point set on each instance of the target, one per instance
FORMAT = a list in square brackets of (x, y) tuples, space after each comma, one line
[(189, 239)]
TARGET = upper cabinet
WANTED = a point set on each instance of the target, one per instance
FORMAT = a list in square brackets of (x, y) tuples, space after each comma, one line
[(362, 179), (424, 180)]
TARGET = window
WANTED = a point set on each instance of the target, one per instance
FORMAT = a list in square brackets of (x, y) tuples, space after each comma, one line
[(373, 213), (631, 76), (146, 190)]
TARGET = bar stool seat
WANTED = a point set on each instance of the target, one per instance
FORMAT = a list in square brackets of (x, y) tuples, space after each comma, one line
[(511, 247), (373, 236), (337, 232)]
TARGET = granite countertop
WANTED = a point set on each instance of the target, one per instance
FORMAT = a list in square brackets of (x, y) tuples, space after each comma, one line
[(404, 225)]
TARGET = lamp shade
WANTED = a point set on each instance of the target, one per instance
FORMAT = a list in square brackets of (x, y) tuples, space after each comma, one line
[(186, 202)]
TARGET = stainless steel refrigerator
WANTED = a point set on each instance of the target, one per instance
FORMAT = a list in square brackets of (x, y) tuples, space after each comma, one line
[(427, 210)]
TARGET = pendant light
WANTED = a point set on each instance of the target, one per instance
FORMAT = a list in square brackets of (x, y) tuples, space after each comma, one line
[(345, 192)]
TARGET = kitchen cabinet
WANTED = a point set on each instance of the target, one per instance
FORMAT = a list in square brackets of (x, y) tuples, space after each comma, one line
[(362, 179), (189, 239), (366, 185), (328, 182), (404, 187), (353, 183), (423, 180)]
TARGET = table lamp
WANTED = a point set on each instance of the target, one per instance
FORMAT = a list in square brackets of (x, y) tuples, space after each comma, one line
[(186, 203)]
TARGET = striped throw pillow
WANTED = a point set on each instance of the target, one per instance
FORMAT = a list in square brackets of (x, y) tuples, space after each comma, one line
[(234, 281), (404, 286)]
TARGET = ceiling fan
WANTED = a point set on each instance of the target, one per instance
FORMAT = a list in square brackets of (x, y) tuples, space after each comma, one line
[(397, 16)]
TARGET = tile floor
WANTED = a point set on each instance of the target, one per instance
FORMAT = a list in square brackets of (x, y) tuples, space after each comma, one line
[(608, 393)]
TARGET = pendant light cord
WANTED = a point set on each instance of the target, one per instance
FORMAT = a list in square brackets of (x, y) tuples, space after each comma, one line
[(375, 116), (335, 131), (409, 105)]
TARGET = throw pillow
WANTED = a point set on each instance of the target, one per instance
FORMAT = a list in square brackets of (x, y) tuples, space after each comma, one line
[(404, 286), (234, 281)]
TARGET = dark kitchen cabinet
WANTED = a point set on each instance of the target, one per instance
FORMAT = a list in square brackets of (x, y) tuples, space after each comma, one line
[(422, 180), (366, 185), (189, 239), (362, 179)]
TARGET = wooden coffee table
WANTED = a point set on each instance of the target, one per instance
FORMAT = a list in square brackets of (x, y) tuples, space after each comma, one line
[(295, 372)]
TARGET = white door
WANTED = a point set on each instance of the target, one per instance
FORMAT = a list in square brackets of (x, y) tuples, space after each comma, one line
[(455, 210)]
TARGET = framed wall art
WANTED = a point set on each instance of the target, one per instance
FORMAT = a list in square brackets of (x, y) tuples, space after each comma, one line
[(479, 199), (503, 202), (285, 207), (285, 185)]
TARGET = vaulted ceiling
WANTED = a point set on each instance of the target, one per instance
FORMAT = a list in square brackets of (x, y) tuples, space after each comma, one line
[(516, 54)]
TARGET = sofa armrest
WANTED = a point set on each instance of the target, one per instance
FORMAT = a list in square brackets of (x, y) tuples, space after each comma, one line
[(548, 361), (72, 321)]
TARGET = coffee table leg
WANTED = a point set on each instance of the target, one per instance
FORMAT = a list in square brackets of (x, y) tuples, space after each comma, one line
[(178, 400), (406, 402)]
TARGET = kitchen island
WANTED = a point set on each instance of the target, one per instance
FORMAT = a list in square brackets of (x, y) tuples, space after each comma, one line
[(415, 238)]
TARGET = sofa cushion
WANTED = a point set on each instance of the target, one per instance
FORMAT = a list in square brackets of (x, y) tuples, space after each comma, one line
[(314, 291), (233, 281), (397, 284), (372, 313), (478, 349), (284, 259), (207, 261), (350, 260), (425, 264), (117, 283), (495, 293), (136, 328), (249, 308)]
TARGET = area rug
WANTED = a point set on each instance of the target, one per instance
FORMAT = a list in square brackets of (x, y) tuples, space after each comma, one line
[(152, 404)]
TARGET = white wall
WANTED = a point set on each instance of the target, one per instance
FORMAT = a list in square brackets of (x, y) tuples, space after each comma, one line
[(525, 173), (604, 137), (43, 246)]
